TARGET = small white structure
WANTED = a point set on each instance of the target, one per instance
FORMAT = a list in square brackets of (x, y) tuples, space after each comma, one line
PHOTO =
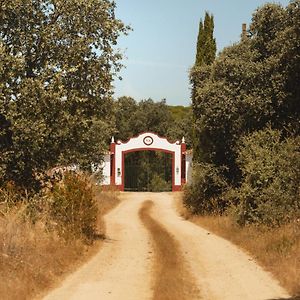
[(189, 164), (105, 166), (114, 163)]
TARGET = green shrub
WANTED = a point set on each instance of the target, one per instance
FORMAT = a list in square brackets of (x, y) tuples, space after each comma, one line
[(158, 184), (204, 195), (269, 190), (74, 208)]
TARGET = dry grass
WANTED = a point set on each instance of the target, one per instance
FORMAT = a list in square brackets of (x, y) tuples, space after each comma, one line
[(172, 279), (34, 259), (276, 249), (107, 200)]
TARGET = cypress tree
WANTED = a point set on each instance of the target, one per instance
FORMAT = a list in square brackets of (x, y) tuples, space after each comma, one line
[(206, 54), (206, 43), (200, 42)]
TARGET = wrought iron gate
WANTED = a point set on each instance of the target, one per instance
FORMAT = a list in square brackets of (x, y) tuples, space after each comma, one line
[(148, 171)]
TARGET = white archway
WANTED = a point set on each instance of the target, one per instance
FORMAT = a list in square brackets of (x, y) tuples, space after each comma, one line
[(146, 141)]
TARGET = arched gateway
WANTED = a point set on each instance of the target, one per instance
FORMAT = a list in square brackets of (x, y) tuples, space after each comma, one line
[(113, 170)]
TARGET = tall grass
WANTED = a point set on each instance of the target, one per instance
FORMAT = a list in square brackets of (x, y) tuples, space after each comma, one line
[(30, 256), (34, 253)]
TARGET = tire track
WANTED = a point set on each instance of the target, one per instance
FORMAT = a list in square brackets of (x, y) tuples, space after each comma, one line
[(154, 254), (172, 280)]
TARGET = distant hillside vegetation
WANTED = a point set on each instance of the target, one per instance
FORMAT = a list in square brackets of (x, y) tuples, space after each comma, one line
[(179, 112)]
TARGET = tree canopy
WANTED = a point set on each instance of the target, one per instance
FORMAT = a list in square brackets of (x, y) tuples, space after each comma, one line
[(246, 123), (249, 85), (57, 63), (132, 118), (206, 43)]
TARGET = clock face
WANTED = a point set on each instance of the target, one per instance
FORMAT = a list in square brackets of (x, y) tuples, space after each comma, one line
[(148, 140)]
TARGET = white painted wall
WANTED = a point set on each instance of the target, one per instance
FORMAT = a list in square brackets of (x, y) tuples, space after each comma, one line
[(105, 166), (138, 142), (188, 164)]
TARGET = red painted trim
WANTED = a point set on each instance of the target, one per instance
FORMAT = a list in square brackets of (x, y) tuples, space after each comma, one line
[(177, 188), (119, 187), (112, 148), (149, 132), (106, 187), (148, 149)]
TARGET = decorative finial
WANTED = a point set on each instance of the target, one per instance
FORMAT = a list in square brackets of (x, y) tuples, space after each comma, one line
[(112, 140), (183, 140)]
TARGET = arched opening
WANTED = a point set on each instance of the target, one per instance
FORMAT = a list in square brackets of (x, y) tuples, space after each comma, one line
[(148, 170), (147, 141)]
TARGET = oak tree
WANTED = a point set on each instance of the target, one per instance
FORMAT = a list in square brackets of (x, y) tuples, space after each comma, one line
[(57, 64)]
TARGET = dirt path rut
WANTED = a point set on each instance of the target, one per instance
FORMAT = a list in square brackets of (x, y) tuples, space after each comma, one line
[(131, 264)]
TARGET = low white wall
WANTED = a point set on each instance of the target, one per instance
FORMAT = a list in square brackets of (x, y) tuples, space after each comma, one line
[(105, 166), (189, 168)]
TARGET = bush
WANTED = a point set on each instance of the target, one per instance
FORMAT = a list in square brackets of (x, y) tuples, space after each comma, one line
[(158, 184), (34, 254), (204, 195), (74, 207), (269, 190)]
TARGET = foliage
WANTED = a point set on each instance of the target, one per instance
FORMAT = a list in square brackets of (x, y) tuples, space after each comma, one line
[(125, 109), (133, 118), (246, 112), (249, 85), (181, 124), (206, 43), (205, 56), (57, 62), (270, 189), (203, 196), (158, 184), (144, 167), (74, 207), (179, 112)]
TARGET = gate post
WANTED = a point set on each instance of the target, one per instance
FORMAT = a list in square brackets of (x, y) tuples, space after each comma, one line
[(183, 162), (112, 162)]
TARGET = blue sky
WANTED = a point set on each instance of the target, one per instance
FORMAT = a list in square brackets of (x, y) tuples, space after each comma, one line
[(161, 48)]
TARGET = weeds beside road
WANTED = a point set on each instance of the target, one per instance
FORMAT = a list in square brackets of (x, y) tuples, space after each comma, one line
[(36, 251), (276, 249)]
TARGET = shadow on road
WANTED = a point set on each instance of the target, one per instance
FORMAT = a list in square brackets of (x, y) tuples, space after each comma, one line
[(292, 298)]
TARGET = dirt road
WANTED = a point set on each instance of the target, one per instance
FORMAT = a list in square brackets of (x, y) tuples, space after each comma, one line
[(152, 253)]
